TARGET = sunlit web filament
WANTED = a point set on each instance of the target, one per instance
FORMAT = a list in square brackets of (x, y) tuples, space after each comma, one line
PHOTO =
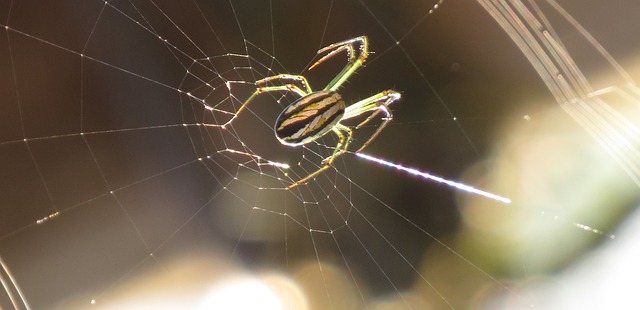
[(473, 190), (428, 176)]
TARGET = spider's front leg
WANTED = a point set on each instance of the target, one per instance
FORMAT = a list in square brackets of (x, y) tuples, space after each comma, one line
[(305, 90), (286, 77), (357, 50)]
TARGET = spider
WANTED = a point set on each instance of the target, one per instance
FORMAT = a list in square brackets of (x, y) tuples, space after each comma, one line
[(316, 113)]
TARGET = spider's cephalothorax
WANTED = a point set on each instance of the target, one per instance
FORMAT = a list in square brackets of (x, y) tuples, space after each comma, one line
[(316, 113)]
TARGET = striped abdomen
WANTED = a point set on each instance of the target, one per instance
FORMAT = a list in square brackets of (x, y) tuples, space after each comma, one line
[(309, 117)]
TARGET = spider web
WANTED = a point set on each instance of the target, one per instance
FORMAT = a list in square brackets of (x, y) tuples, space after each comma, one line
[(121, 188)]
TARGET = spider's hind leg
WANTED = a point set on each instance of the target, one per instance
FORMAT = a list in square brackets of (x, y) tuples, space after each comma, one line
[(378, 103), (343, 142), (341, 147)]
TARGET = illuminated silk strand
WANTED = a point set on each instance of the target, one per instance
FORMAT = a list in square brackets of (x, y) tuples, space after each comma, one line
[(473, 190), (428, 176)]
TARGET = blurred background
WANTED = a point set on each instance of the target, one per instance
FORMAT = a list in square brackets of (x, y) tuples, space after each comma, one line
[(119, 189)]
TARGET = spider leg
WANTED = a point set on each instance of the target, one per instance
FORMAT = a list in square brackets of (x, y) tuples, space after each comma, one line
[(378, 103), (355, 59), (342, 145), (286, 87), (284, 77), (348, 48), (340, 148)]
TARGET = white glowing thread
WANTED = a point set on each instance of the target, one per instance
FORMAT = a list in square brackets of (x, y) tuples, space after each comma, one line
[(6, 285), (425, 175)]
